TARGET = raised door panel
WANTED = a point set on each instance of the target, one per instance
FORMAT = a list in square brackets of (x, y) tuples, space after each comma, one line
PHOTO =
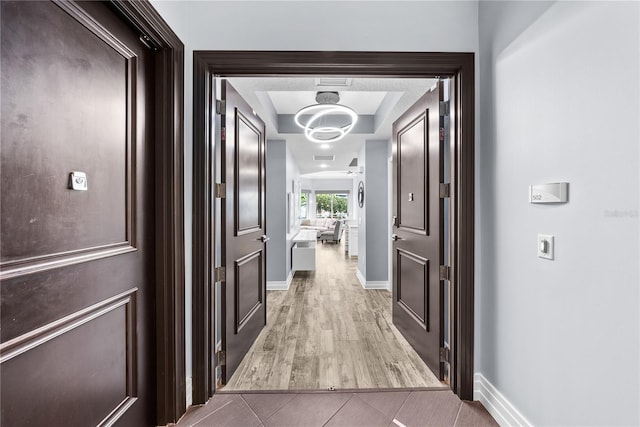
[(47, 134), (248, 295), (412, 270), (248, 167), (413, 185)]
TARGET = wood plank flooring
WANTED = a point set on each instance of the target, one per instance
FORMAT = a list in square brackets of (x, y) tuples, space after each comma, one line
[(327, 331)]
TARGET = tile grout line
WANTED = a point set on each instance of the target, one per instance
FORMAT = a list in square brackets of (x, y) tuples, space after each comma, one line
[(339, 409), (393, 419), (276, 411), (376, 409), (458, 414), (208, 415), (251, 409)]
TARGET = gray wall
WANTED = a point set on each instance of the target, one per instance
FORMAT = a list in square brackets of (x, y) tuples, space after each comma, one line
[(376, 223), (362, 213), (293, 174), (560, 102), (373, 225), (281, 172), (276, 210)]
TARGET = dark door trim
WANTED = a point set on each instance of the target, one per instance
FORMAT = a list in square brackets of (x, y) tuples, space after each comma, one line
[(169, 218), (458, 66)]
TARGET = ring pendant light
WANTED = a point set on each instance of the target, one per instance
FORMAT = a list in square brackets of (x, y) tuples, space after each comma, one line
[(314, 128)]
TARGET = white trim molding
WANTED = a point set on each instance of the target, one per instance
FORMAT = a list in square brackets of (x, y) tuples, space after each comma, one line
[(281, 286), (384, 284), (496, 403)]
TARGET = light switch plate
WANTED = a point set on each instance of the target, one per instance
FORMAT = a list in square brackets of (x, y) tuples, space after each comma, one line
[(545, 246)]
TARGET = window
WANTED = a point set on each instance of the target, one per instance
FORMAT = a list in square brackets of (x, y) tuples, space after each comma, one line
[(332, 205)]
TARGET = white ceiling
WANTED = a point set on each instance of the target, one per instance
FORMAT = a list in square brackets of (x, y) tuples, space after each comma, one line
[(381, 100), (289, 101)]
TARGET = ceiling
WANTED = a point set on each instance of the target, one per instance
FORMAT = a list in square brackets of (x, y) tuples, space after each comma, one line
[(378, 102)]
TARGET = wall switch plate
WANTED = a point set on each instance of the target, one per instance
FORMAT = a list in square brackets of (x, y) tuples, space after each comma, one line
[(545, 246)]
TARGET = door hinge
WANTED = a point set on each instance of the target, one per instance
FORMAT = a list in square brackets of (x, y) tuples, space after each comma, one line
[(445, 354), (445, 272), (221, 358), (445, 190), (444, 108), (220, 191), (221, 106), (396, 221), (220, 274)]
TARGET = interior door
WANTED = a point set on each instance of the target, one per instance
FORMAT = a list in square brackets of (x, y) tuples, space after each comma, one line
[(77, 195), (418, 229), (243, 228)]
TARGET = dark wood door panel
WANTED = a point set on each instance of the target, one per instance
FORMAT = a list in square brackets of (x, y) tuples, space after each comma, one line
[(413, 167), (412, 270), (47, 134), (418, 251), (54, 294), (77, 292), (248, 167), (248, 296), (243, 225), (59, 380)]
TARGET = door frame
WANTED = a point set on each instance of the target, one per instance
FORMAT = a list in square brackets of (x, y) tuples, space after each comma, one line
[(170, 380), (459, 67)]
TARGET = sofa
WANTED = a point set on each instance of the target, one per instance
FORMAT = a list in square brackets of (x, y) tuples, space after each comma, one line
[(318, 224)]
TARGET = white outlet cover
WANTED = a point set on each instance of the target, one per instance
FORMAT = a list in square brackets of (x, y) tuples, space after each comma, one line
[(550, 246)]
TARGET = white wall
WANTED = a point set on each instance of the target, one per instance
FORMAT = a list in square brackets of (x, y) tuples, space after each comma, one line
[(560, 102), (429, 26)]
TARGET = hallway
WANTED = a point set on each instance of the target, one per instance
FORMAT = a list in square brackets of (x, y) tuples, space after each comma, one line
[(327, 331)]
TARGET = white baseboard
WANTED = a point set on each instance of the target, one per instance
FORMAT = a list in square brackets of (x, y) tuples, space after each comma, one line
[(280, 286), (372, 284), (496, 403), (189, 384)]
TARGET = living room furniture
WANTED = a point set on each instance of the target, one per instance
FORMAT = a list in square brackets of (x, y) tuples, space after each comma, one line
[(318, 224), (332, 236), (303, 253)]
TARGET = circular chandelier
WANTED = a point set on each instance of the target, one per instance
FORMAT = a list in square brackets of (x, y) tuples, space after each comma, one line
[(326, 121)]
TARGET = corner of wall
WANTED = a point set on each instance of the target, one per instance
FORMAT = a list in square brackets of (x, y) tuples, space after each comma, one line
[(496, 403)]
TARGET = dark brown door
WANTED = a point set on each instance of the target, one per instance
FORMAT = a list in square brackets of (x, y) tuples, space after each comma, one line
[(418, 231), (243, 225), (77, 265)]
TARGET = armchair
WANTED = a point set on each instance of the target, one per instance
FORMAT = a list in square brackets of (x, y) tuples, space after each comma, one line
[(334, 235)]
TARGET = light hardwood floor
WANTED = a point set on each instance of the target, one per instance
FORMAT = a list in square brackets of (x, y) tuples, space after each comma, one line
[(327, 331)]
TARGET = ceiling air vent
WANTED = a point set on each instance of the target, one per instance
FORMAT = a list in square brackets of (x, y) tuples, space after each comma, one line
[(324, 158), (354, 162), (333, 81)]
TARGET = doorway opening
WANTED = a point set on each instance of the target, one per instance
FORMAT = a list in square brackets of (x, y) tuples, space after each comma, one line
[(458, 67), (330, 323)]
